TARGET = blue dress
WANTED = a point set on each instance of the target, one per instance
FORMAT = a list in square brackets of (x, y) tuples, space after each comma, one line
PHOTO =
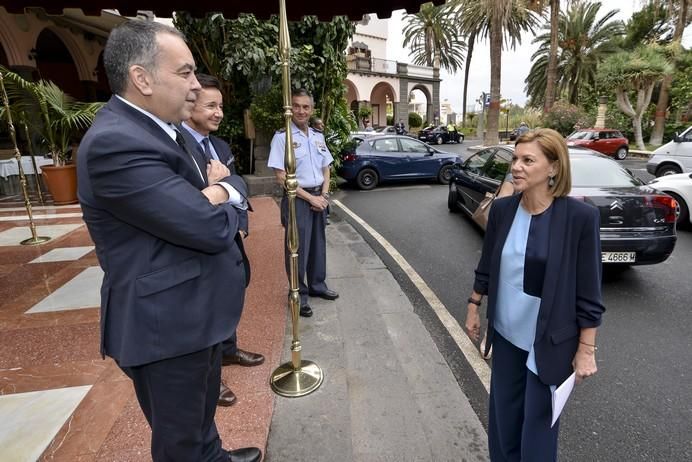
[(522, 270)]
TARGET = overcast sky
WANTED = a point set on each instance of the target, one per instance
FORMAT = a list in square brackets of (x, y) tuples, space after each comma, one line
[(515, 64)]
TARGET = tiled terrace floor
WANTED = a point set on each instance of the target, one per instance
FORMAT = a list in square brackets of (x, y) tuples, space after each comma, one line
[(59, 400)]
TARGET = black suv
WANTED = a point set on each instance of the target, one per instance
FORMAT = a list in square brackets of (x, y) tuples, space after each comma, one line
[(440, 135)]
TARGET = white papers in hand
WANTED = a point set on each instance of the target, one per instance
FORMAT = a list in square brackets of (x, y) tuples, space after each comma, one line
[(560, 396)]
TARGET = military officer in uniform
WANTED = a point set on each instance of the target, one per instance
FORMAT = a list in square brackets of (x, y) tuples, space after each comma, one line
[(312, 172)]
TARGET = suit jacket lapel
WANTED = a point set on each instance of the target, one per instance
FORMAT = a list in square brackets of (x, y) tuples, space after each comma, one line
[(191, 150), (558, 234), (156, 131)]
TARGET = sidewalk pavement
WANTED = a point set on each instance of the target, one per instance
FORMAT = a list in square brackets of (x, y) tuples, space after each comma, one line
[(388, 394)]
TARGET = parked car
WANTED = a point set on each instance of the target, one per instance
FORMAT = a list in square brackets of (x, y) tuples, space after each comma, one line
[(440, 135), (637, 222), (680, 188), (603, 140), (673, 157), (395, 157)]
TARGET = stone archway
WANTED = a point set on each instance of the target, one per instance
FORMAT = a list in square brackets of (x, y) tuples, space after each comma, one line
[(102, 89), (382, 99), (3, 57), (427, 109), (56, 62), (351, 92)]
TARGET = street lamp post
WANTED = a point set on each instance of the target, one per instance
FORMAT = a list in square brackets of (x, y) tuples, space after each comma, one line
[(509, 105)]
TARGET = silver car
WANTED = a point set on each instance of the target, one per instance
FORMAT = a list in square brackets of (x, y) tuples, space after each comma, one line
[(673, 157)]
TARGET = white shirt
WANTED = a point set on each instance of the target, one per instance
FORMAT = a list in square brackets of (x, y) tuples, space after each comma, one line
[(234, 197)]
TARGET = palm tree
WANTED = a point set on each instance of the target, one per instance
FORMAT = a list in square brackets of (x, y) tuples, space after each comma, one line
[(584, 40), (502, 22), (433, 36), (471, 37), (663, 97), (552, 56)]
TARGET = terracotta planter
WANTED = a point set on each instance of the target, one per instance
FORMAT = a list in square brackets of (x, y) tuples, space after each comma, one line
[(61, 182)]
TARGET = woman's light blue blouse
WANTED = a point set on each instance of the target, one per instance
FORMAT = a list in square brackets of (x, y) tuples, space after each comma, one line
[(522, 270)]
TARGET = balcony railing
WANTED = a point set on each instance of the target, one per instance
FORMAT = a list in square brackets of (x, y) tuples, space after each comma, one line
[(382, 66)]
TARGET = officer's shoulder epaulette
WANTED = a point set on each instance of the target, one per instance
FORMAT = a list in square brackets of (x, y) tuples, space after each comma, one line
[(281, 130), (316, 130)]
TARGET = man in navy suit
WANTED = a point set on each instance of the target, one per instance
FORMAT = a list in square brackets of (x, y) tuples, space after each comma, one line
[(164, 226), (205, 118)]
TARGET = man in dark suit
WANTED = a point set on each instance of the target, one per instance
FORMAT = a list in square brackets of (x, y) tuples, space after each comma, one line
[(205, 118), (164, 226)]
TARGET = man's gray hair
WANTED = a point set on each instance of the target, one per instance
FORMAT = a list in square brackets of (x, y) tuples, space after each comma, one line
[(132, 43), (303, 92)]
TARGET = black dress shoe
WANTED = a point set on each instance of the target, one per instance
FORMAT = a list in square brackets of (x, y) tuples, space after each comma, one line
[(244, 358), (327, 294), (305, 311), (245, 455), (226, 396)]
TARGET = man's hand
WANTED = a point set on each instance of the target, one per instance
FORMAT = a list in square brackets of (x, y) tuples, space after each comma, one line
[(216, 194), (318, 203), (216, 171)]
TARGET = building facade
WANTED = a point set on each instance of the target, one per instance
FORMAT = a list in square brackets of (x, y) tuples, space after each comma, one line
[(382, 84)]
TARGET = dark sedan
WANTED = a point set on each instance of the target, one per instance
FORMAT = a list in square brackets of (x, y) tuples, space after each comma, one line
[(440, 135), (394, 157), (637, 222)]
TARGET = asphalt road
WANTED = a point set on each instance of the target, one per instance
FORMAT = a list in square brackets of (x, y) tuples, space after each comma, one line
[(639, 405)]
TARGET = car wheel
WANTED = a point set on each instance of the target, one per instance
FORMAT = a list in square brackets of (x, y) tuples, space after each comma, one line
[(452, 199), (445, 174), (439, 140), (461, 139), (367, 179), (683, 220), (621, 153), (668, 170)]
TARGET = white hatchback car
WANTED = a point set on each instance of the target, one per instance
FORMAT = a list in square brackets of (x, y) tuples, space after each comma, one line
[(680, 188), (673, 157)]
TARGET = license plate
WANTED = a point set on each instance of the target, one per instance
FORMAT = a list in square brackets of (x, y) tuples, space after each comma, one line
[(618, 257)]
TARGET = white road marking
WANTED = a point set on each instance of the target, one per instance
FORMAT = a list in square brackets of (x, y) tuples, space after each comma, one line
[(469, 350)]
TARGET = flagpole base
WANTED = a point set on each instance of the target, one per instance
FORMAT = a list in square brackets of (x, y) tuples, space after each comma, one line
[(293, 383), (35, 241)]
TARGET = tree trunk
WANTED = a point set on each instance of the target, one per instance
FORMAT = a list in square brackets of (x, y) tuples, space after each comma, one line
[(492, 136), (469, 53), (664, 96), (637, 128), (552, 57)]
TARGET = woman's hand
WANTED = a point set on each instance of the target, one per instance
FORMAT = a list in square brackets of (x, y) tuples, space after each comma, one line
[(473, 322), (584, 362)]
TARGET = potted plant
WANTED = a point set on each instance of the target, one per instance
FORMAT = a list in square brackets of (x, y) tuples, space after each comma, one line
[(58, 120)]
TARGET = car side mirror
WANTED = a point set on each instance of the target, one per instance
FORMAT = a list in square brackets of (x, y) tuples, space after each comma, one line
[(456, 166), (676, 138)]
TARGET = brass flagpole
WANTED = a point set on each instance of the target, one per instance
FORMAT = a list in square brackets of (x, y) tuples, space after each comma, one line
[(298, 377), (35, 238)]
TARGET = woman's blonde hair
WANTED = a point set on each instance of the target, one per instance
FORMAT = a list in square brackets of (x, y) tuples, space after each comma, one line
[(554, 148)]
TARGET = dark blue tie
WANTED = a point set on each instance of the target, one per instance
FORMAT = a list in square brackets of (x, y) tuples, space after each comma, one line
[(207, 150)]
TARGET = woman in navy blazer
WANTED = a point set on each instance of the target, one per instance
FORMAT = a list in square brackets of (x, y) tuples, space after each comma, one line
[(541, 271)]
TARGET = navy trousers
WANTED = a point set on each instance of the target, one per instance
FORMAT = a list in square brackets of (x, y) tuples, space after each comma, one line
[(230, 345), (178, 397), (312, 248), (520, 409)]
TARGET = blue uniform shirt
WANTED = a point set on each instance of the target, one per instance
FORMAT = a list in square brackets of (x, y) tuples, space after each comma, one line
[(312, 155)]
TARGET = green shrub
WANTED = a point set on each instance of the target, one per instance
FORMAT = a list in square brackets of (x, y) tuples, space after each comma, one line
[(565, 118), (414, 120)]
